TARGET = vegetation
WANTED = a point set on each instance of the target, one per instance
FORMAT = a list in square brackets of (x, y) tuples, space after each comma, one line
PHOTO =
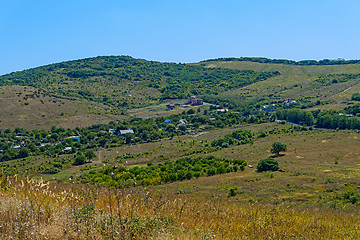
[(132, 81), (20, 143), (334, 120), (236, 137), (355, 97), (181, 169)]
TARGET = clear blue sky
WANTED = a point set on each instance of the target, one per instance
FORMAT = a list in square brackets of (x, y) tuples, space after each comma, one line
[(40, 32)]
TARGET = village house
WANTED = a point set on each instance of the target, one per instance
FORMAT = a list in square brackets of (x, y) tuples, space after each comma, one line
[(193, 100), (219, 111), (168, 121), (288, 102), (123, 132), (67, 149), (75, 138)]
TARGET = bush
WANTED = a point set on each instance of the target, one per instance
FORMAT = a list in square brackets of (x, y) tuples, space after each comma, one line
[(351, 196), (191, 111), (233, 191), (52, 170), (269, 164), (355, 97)]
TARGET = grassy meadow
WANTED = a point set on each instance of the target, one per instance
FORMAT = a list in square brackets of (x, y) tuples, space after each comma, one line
[(32, 209)]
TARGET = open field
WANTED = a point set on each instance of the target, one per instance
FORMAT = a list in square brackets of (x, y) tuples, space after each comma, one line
[(317, 167)]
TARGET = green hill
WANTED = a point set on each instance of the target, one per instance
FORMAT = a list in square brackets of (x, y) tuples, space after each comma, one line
[(122, 81)]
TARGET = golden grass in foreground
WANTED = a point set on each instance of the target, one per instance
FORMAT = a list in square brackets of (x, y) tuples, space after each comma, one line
[(31, 209)]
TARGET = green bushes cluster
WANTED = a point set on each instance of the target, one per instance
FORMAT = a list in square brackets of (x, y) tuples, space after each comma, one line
[(269, 164), (181, 169)]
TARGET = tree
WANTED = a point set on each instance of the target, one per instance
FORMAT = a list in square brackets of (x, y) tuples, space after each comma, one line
[(278, 147), (355, 97), (269, 164), (23, 152), (89, 154)]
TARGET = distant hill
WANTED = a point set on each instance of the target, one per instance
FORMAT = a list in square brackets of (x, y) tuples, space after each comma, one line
[(122, 81)]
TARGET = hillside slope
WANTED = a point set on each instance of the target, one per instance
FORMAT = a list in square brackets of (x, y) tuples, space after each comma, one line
[(332, 83), (97, 90)]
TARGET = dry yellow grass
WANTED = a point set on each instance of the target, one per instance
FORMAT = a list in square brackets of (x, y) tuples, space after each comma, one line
[(34, 209)]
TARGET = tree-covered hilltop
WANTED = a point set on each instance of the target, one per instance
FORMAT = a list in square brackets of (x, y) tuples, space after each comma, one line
[(338, 61), (122, 81)]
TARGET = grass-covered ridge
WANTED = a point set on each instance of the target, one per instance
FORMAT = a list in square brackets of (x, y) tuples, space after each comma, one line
[(338, 61), (123, 81), (323, 86)]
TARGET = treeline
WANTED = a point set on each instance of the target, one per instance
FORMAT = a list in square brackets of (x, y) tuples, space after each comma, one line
[(296, 116), (322, 119), (285, 61), (181, 169), (332, 120)]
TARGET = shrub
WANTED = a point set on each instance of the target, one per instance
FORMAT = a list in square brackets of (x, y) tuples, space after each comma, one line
[(269, 164), (52, 170), (233, 191), (351, 196)]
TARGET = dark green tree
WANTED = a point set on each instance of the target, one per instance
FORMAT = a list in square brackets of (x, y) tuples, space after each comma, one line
[(278, 147), (23, 152)]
